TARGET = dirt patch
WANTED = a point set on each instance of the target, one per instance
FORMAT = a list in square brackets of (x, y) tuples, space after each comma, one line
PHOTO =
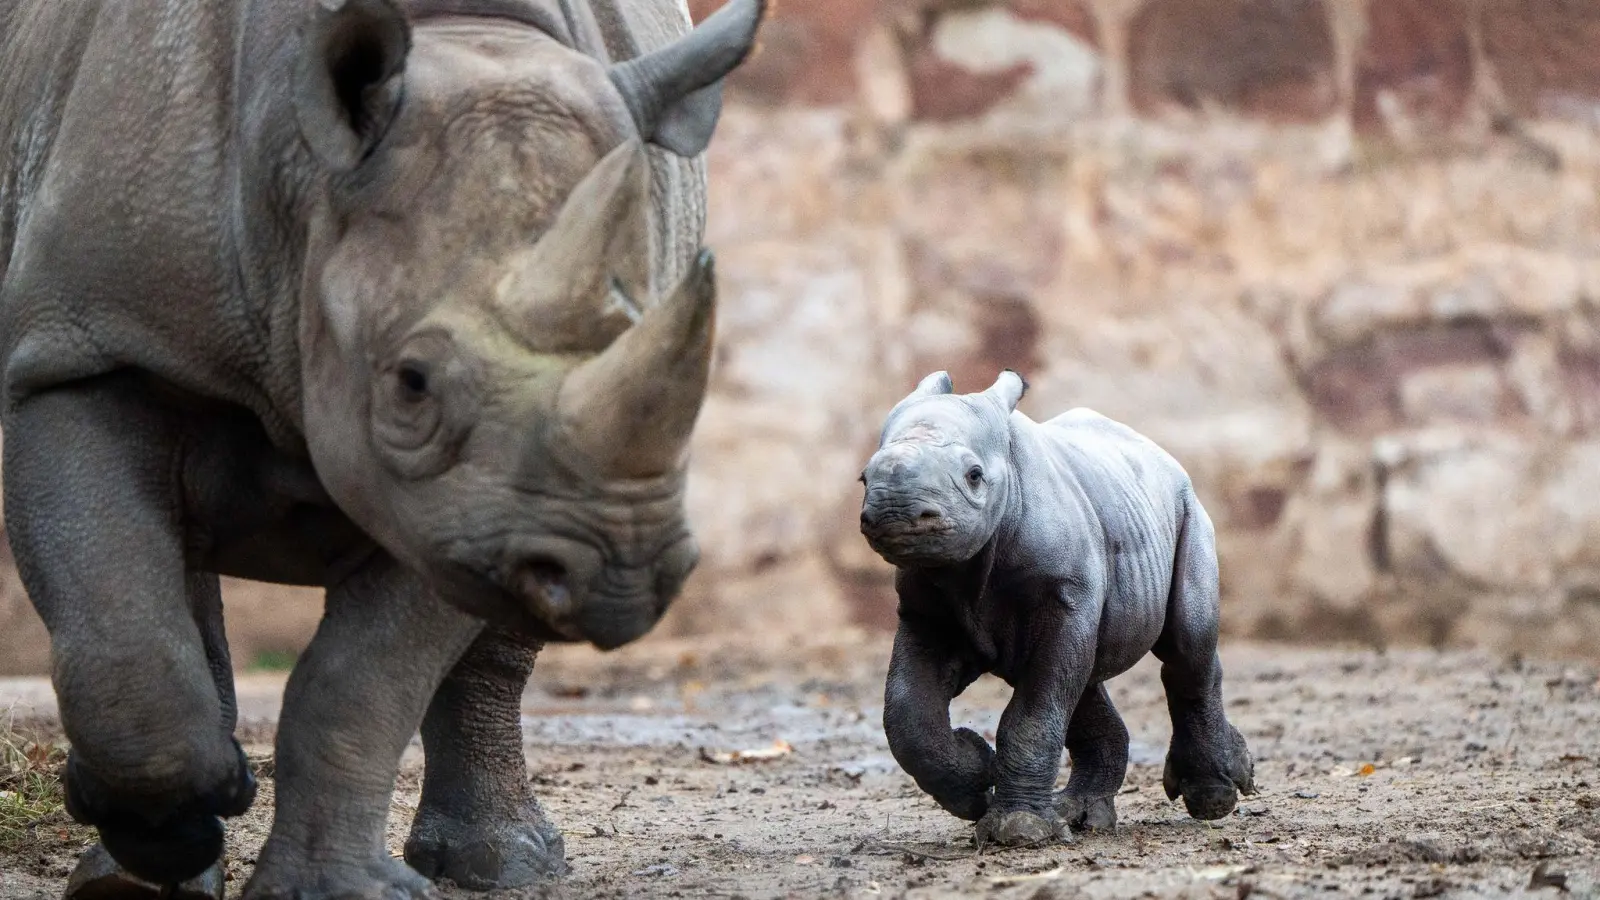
[(1406, 774)]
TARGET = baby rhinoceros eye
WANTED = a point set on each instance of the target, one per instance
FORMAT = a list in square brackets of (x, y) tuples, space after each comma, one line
[(975, 476)]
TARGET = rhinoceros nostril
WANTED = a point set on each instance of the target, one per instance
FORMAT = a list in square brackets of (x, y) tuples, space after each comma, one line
[(929, 513), (543, 583)]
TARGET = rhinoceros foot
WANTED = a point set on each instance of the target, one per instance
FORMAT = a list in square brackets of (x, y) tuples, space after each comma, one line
[(1020, 828), (379, 879), (1209, 774), (487, 855), (98, 877), (1086, 813)]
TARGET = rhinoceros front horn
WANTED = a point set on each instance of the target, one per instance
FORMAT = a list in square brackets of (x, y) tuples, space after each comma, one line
[(630, 411), (675, 93)]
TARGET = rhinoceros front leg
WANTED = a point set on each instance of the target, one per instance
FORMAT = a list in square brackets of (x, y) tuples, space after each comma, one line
[(94, 513), (352, 704), (1033, 728), (97, 875), (954, 766), (479, 824)]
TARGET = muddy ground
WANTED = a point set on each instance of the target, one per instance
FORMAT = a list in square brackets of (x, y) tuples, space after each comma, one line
[(1399, 774)]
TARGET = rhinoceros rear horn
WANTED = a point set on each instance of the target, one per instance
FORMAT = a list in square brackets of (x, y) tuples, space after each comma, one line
[(630, 411), (576, 287), (675, 93), (348, 78)]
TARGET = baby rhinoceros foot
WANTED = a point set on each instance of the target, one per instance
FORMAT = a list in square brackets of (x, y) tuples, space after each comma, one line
[(1210, 776), (98, 877), (1019, 828), (1087, 813), (489, 855)]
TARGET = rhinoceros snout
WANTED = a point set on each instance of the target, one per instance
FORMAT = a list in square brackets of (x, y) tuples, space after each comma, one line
[(581, 593), (613, 607)]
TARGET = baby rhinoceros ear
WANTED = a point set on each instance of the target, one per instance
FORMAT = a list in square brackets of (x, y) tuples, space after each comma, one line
[(934, 385), (1008, 390)]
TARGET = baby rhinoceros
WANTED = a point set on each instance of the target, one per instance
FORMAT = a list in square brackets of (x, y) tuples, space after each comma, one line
[(1054, 555)]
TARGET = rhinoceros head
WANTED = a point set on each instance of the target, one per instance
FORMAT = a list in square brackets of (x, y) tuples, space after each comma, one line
[(494, 388), (937, 489)]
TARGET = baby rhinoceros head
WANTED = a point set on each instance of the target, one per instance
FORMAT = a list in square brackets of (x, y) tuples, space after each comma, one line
[(936, 490)]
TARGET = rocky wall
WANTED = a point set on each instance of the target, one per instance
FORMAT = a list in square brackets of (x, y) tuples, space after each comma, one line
[(1341, 258)]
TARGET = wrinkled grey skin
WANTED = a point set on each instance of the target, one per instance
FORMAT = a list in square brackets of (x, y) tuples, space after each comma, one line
[(385, 297), (1054, 555)]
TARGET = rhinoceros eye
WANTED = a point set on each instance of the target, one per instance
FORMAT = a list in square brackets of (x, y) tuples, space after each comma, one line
[(424, 403), (412, 378), (975, 476)]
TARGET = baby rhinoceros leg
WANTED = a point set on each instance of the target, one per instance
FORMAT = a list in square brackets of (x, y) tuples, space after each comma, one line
[(1097, 741), (1208, 763), (1027, 761), (1032, 732), (479, 824), (955, 767)]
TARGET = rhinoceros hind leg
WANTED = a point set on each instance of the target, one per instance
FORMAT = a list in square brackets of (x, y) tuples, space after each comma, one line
[(98, 877), (479, 824), (1208, 763)]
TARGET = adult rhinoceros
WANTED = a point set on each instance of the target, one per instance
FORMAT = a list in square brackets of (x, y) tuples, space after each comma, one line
[(354, 293)]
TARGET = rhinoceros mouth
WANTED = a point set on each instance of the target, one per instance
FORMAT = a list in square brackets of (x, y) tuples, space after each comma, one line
[(909, 531), (920, 541)]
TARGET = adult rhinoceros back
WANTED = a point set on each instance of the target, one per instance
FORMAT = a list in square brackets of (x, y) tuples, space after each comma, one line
[(405, 299)]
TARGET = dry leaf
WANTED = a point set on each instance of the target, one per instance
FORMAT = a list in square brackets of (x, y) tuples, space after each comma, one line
[(1005, 880), (1218, 873), (779, 748), (1366, 770)]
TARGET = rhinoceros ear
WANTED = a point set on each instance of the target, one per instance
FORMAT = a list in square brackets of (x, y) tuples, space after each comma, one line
[(347, 82), (675, 93), (1008, 390), (934, 385)]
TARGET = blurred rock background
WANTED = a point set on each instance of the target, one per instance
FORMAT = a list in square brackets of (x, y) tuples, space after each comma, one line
[(1341, 257)]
